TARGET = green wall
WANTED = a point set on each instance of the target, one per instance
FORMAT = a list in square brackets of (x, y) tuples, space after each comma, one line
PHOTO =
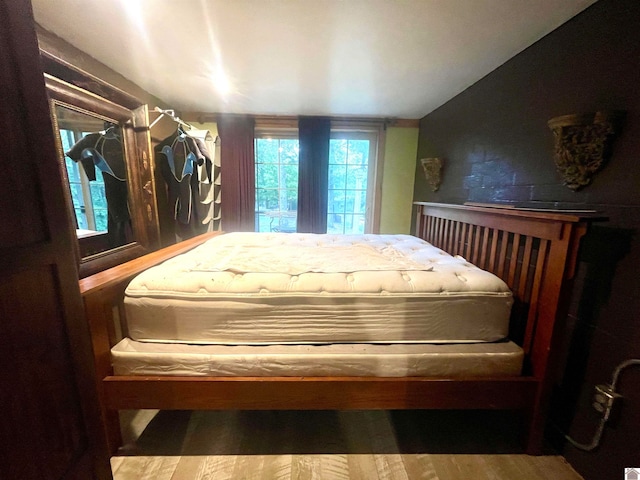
[(400, 153)]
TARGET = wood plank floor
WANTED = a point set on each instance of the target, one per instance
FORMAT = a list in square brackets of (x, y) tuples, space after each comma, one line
[(429, 445)]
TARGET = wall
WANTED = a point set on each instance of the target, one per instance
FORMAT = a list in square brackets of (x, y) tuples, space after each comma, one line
[(60, 48), (401, 145), (498, 148)]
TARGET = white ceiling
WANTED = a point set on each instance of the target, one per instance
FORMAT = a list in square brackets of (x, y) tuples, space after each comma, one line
[(385, 58)]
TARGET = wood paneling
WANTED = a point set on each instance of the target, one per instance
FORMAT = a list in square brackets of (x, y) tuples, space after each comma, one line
[(50, 423)]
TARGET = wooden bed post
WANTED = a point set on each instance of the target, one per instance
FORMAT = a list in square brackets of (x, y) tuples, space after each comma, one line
[(103, 294)]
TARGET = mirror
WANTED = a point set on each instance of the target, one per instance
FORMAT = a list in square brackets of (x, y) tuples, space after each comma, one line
[(104, 154), (97, 179)]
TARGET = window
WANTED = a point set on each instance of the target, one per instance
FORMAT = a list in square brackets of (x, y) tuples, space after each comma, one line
[(276, 184), (350, 182), (88, 197), (352, 173)]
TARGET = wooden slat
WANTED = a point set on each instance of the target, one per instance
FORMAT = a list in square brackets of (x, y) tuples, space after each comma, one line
[(513, 263), (476, 246), (463, 240), (503, 253), (535, 292), (524, 271), (485, 244), (451, 235), (456, 239), (447, 235), (494, 249)]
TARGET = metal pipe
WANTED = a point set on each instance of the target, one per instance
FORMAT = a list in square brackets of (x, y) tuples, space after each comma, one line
[(587, 447)]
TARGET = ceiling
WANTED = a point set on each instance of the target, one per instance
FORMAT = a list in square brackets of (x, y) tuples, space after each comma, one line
[(380, 58)]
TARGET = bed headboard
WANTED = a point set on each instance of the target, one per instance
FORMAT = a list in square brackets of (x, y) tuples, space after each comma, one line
[(533, 251)]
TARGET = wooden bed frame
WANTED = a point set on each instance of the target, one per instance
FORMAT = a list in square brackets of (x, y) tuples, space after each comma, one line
[(533, 252)]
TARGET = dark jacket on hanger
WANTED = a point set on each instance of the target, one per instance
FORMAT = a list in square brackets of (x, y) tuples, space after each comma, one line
[(105, 151), (177, 157)]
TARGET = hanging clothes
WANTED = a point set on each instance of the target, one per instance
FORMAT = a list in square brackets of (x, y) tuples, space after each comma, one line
[(208, 181), (179, 156), (105, 151)]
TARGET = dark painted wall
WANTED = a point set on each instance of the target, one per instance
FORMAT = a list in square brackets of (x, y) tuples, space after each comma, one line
[(497, 148)]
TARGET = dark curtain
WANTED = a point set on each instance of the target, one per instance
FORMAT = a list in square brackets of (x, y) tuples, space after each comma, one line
[(237, 173), (313, 174)]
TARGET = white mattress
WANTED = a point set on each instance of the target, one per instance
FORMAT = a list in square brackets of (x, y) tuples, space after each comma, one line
[(398, 360), (258, 288)]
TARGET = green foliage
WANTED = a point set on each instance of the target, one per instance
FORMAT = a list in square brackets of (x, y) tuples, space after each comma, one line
[(277, 181), (276, 174)]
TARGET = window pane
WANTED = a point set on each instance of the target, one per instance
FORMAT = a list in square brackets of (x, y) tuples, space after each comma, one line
[(289, 151), (349, 201), (81, 218), (360, 202), (290, 176), (356, 177), (336, 201), (76, 194), (348, 223), (276, 184), (349, 171), (266, 150), (66, 136), (260, 206), (262, 222), (98, 198), (357, 224), (267, 176), (338, 151), (292, 200), (358, 152), (335, 223), (272, 197), (337, 176), (100, 216)]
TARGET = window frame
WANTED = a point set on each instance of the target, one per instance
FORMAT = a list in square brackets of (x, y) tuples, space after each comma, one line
[(373, 130), (372, 209), (276, 133)]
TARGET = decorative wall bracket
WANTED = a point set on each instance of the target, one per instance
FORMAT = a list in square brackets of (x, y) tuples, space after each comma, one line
[(583, 145), (432, 171)]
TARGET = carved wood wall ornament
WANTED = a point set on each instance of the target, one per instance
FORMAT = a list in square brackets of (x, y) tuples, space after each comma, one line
[(432, 171), (583, 145)]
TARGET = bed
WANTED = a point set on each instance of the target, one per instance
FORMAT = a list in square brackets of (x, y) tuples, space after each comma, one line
[(465, 321)]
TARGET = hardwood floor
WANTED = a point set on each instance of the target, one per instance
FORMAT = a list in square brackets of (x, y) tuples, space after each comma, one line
[(430, 445)]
